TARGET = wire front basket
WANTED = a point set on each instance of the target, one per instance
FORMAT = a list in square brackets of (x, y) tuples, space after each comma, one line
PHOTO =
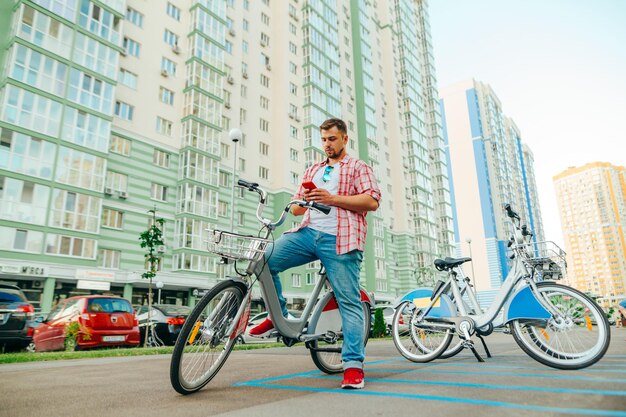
[(547, 259), (235, 246)]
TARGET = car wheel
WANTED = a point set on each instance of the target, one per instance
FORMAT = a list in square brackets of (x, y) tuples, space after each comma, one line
[(240, 340), (31, 347)]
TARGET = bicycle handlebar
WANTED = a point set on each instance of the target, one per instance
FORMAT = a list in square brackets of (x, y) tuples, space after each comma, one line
[(510, 212), (253, 186)]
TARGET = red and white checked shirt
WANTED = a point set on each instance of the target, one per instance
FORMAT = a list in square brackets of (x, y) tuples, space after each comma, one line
[(355, 178)]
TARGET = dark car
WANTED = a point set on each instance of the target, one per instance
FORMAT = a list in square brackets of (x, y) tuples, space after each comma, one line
[(168, 319), (16, 314), (99, 320)]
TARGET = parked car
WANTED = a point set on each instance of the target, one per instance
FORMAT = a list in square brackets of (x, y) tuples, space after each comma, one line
[(256, 320), (101, 321), (168, 319), (16, 315)]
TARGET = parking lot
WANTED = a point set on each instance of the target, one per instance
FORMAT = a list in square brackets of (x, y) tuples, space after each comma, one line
[(282, 381)]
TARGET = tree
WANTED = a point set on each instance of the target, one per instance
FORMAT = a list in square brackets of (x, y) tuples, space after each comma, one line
[(380, 328), (151, 239)]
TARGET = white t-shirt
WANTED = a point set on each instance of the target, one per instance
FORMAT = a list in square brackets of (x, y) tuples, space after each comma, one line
[(320, 221)]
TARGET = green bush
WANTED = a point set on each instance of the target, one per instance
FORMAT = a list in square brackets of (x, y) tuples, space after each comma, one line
[(379, 324)]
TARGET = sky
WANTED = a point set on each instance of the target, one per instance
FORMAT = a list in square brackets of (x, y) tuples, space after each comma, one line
[(558, 68)]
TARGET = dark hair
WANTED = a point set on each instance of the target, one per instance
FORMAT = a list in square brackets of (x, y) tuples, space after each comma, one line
[(334, 122)]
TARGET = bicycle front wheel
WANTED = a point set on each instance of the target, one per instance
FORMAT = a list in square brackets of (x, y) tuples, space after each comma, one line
[(577, 337), (416, 340), (327, 356), (206, 339)]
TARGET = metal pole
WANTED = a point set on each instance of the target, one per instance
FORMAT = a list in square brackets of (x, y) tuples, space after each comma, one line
[(469, 243), (235, 136)]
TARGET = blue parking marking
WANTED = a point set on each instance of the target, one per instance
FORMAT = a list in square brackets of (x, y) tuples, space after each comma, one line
[(484, 386), (491, 366), (500, 404)]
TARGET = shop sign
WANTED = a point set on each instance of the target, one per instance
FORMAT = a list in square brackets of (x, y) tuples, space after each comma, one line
[(39, 271), (93, 285), (95, 275)]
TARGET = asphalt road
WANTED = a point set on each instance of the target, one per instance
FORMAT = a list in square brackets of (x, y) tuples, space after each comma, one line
[(284, 381)]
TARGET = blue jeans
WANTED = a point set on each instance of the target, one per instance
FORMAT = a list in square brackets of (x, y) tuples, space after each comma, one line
[(308, 245)]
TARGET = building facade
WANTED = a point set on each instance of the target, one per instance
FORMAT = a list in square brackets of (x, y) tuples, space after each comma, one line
[(592, 208), (490, 167), (112, 109)]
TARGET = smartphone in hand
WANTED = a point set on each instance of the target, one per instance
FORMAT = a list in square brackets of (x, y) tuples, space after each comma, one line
[(309, 185)]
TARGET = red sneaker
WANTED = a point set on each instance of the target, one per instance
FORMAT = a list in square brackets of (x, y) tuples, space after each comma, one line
[(263, 329), (353, 378)]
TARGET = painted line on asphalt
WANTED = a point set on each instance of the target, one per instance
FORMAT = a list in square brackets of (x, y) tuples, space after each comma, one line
[(472, 401), (495, 373), (482, 386), (491, 366)]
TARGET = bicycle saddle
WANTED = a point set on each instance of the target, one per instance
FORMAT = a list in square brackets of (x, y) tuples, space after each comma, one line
[(449, 263)]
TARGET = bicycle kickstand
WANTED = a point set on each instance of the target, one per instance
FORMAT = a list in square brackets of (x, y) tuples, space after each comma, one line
[(484, 346), (469, 343)]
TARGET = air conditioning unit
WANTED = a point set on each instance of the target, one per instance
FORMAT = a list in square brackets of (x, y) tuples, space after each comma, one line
[(263, 43), (232, 32), (291, 115), (161, 248), (245, 75), (123, 52), (230, 80), (37, 284), (227, 104), (269, 67), (175, 49), (164, 73), (123, 194), (108, 191), (297, 119)]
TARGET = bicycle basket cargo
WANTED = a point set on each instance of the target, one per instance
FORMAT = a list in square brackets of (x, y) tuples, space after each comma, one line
[(547, 258), (235, 246)]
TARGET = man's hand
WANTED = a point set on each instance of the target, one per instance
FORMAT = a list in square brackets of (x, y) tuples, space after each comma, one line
[(319, 195)]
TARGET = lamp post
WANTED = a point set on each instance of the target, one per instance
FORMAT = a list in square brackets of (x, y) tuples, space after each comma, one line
[(235, 136), (469, 243), (159, 285)]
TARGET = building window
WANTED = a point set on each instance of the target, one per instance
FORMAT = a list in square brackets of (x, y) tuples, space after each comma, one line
[(296, 280), (293, 132), (265, 39), (119, 145), (293, 89), (265, 102), (70, 246), (265, 81), (222, 208), (20, 240), (161, 158), (127, 78), (166, 96), (293, 68), (293, 154), (158, 192), (170, 38), (116, 182), (112, 218), (264, 125), (265, 19), (264, 173), (108, 258), (224, 150), (264, 148), (242, 165), (131, 47), (295, 178), (224, 179), (241, 218), (168, 66), (292, 28), (124, 110), (75, 211), (173, 11), (134, 17), (164, 126)]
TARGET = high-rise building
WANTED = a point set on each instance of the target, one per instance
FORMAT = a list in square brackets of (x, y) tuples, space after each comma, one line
[(490, 167), (592, 208), (111, 109)]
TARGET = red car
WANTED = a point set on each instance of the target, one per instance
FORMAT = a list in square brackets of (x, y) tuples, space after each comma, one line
[(98, 320)]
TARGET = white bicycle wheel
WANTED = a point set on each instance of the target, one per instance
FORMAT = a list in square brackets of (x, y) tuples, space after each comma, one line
[(575, 338), (416, 340)]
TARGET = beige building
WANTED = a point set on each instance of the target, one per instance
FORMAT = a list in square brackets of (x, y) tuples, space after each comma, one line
[(592, 207)]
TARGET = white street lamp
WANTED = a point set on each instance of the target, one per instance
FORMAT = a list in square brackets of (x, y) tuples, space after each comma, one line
[(159, 285), (235, 136)]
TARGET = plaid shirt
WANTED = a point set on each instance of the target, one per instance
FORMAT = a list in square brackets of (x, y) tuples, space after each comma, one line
[(356, 177)]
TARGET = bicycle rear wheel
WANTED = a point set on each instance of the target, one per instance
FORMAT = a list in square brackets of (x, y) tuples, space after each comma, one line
[(416, 340), (206, 339), (327, 356), (575, 339)]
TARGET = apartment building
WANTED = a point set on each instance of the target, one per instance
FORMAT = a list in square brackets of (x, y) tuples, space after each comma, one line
[(112, 109), (490, 167), (592, 208)]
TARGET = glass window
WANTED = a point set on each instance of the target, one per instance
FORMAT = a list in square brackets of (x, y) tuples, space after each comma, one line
[(26, 154), (109, 258), (127, 78), (112, 218), (70, 246), (31, 111), (173, 11), (161, 158), (120, 145), (164, 126), (166, 96), (134, 17), (75, 211), (116, 182), (23, 201), (131, 47), (80, 169), (158, 192), (124, 110)]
